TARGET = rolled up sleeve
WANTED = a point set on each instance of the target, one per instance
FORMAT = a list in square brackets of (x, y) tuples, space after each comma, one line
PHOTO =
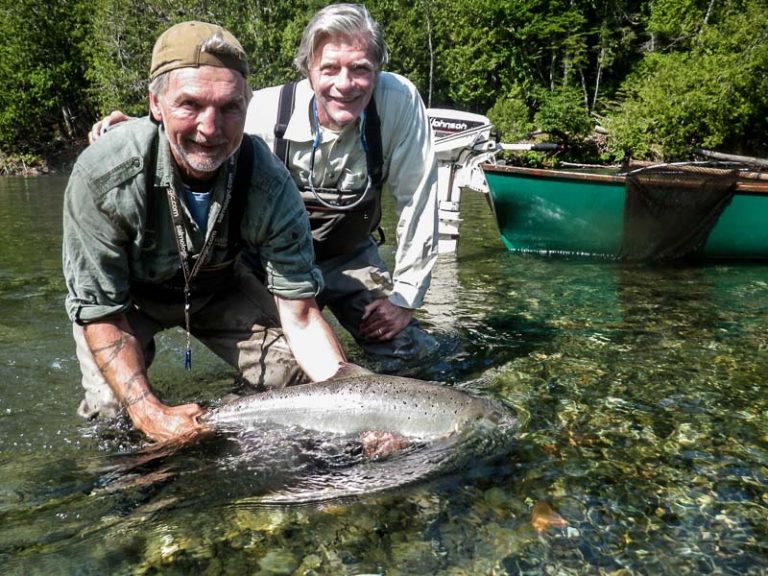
[(94, 260), (277, 228)]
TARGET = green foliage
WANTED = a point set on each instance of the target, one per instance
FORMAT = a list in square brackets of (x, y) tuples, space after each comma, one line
[(408, 32), (666, 75), (121, 38), (674, 22), (40, 65), (563, 112), (486, 47), (469, 51), (270, 32), (511, 116), (709, 97)]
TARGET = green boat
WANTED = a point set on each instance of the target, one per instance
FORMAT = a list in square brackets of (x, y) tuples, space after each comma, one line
[(664, 212)]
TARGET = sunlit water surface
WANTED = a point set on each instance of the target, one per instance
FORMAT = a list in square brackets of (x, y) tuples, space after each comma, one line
[(643, 445)]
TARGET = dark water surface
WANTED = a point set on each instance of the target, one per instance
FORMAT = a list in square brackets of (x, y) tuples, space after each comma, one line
[(643, 448)]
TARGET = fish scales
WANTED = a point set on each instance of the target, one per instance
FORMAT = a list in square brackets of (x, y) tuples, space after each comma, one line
[(406, 406)]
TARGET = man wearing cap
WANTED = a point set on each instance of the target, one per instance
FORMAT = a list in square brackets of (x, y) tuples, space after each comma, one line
[(157, 216), (327, 143)]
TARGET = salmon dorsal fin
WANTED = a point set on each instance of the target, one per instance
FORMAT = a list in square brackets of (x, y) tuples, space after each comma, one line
[(349, 370)]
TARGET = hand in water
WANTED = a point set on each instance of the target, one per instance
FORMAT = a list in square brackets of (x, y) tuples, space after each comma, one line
[(377, 444)]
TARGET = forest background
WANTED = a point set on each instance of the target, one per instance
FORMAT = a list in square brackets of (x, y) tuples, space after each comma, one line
[(608, 78)]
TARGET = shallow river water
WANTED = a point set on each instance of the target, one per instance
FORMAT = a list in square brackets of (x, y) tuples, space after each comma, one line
[(641, 392)]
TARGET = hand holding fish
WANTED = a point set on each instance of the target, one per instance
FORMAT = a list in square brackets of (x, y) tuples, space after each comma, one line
[(164, 423), (119, 357)]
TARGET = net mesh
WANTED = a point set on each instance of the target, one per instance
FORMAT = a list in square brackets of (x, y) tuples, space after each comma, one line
[(670, 210)]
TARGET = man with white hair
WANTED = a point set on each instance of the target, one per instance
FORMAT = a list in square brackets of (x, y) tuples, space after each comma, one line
[(345, 132)]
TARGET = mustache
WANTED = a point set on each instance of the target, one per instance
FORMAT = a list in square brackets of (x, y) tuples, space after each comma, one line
[(207, 142)]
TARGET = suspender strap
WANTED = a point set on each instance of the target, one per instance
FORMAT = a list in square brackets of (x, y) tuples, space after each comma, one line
[(374, 155), (373, 149), (285, 109), (240, 192)]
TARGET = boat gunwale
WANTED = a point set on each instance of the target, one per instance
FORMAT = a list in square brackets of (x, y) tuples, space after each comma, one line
[(749, 184)]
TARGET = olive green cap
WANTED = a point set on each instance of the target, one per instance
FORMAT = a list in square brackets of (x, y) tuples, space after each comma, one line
[(181, 46)]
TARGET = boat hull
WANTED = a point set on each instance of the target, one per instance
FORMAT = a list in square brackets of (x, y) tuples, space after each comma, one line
[(572, 213)]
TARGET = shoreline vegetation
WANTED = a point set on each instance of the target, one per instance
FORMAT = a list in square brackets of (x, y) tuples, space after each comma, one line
[(56, 161), (653, 81)]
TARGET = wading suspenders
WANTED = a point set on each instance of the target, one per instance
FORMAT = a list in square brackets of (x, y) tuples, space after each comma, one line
[(285, 109), (373, 150), (242, 185), (371, 137)]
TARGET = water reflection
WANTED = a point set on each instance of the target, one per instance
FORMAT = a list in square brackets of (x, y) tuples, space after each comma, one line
[(643, 450)]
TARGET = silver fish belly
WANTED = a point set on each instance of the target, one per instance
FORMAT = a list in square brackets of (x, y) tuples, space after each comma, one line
[(405, 406)]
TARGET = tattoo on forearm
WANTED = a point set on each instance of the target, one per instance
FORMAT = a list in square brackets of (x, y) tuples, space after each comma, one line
[(131, 400), (108, 353), (132, 389), (129, 396)]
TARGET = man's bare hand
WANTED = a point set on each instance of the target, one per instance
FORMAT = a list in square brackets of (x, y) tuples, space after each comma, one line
[(377, 444), (382, 320), (101, 127), (167, 423)]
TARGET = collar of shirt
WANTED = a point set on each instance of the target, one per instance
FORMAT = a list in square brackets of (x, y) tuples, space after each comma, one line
[(167, 175)]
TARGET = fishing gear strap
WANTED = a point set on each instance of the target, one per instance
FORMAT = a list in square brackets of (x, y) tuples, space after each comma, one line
[(374, 151), (232, 208)]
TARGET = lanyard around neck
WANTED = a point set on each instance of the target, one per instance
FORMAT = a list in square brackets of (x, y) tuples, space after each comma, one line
[(335, 206), (180, 234)]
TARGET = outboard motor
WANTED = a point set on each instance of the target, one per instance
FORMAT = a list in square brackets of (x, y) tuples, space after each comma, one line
[(463, 141)]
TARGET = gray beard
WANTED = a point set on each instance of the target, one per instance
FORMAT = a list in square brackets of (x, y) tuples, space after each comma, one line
[(205, 165)]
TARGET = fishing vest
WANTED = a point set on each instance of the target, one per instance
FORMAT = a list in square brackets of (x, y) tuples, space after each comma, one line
[(340, 230)]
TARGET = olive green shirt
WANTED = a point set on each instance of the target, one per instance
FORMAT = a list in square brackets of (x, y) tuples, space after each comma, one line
[(118, 229)]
